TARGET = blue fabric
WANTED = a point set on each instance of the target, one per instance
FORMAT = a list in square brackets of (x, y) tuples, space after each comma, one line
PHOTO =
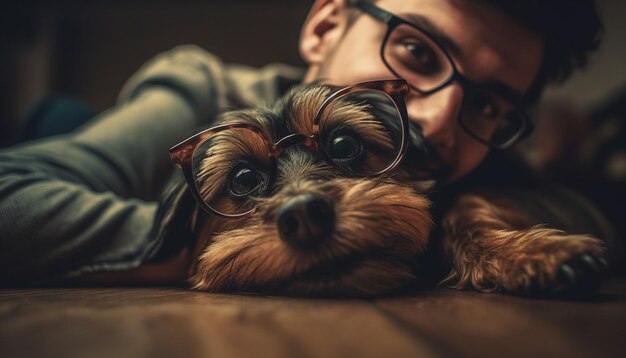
[(55, 115)]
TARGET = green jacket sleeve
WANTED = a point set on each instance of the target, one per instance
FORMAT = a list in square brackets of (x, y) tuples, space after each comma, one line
[(86, 201)]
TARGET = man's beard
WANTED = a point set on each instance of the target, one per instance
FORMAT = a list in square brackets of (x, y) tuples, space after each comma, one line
[(422, 160)]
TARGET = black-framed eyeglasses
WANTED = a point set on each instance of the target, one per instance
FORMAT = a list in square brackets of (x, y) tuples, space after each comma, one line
[(361, 130), (411, 53)]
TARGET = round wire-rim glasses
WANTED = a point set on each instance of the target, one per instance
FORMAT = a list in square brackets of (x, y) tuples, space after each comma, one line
[(182, 154)]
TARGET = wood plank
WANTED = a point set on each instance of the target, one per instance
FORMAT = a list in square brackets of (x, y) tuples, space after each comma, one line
[(169, 322), (494, 325), (165, 322)]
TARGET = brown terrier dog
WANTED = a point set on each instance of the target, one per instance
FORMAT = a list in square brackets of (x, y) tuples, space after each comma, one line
[(310, 198)]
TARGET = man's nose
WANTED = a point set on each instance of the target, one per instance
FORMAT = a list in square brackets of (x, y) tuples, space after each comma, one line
[(437, 114)]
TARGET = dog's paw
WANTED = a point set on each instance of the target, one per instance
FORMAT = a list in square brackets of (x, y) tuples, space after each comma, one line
[(561, 266), (578, 277)]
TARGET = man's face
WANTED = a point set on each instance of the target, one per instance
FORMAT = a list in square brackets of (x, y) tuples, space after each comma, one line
[(490, 48)]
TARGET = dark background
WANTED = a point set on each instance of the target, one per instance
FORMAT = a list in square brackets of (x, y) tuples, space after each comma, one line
[(88, 49)]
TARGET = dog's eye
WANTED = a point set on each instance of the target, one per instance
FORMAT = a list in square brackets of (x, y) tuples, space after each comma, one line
[(244, 180), (344, 147)]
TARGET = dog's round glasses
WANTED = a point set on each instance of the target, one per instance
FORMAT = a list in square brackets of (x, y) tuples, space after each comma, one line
[(492, 116), (360, 130)]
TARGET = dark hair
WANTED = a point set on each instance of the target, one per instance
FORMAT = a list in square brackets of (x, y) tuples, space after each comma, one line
[(571, 29)]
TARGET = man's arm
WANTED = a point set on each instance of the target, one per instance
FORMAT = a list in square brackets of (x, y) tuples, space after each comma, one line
[(86, 201)]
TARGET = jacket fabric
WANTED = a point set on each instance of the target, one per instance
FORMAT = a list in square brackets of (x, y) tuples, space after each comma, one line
[(87, 201)]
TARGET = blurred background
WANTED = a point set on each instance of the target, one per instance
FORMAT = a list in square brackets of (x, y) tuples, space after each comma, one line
[(88, 49)]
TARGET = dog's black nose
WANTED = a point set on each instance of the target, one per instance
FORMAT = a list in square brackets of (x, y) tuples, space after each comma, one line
[(306, 219)]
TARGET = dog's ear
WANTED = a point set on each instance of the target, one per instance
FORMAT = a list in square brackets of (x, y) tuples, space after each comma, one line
[(174, 221)]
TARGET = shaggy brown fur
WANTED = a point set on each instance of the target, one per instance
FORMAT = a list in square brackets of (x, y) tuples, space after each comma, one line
[(381, 227), (496, 248), (381, 224)]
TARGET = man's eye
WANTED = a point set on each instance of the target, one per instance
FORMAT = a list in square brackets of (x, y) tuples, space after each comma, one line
[(244, 180), (345, 147), (424, 58), (485, 106)]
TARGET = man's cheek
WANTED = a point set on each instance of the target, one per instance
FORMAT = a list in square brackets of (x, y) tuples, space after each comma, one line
[(467, 159)]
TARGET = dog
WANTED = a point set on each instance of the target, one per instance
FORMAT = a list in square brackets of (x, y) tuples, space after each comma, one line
[(315, 197)]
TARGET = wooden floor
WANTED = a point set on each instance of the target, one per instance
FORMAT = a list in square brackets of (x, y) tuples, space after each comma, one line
[(169, 322)]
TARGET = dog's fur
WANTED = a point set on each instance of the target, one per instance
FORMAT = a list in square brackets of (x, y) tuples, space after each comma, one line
[(381, 227)]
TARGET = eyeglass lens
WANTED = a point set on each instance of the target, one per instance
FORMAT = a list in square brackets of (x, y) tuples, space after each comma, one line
[(414, 56), (360, 134), (229, 167)]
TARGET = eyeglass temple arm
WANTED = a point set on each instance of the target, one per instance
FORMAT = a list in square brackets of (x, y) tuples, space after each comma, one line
[(374, 10)]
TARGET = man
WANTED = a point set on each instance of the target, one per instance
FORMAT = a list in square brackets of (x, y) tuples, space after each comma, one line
[(87, 202)]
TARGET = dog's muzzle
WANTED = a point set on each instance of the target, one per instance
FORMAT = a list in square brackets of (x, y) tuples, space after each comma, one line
[(306, 219)]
